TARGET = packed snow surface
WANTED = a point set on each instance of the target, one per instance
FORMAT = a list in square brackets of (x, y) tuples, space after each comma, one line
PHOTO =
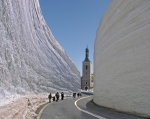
[(31, 60), (23, 107), (122, 57)]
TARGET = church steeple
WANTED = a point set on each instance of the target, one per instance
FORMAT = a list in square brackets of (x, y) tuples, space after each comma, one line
[(87, 55), (86, 79)]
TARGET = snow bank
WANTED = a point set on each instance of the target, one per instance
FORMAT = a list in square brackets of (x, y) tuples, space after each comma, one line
[(31, 60), (22, 107), (122, 57)]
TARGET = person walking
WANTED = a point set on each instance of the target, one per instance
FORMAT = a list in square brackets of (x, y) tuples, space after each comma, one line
[(62, 95), (53, 98), (78, 94), (49, 97), (74, 95), (57, 96)]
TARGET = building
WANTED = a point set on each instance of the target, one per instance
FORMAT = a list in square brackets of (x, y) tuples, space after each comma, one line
[(87, 76)]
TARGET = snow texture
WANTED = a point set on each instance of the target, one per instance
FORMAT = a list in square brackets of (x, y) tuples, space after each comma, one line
[(122, 57), (31, 60), (23, 107)]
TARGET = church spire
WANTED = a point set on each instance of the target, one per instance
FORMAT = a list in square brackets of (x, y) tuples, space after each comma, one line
[(87, 55)]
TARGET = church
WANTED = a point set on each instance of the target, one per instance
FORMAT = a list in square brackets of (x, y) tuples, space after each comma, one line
[(87, 76)]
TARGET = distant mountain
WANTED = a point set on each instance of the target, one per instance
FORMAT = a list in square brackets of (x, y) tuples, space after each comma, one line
[(31, 60)]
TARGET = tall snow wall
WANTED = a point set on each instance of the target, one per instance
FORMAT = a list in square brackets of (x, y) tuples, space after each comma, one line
[(122, 57), (31, 60)]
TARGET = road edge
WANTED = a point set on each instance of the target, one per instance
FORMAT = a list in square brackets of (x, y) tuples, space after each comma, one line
[(87, 112)]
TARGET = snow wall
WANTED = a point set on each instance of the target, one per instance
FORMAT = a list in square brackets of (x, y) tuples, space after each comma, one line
[(122, 57), (31, 60)]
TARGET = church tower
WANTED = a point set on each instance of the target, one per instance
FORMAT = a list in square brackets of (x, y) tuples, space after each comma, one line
[(86, 79)]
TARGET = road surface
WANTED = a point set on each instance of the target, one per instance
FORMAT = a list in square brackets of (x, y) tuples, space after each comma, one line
[(81, 108)]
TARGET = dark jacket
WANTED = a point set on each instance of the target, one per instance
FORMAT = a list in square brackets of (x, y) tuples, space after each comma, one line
[(49, 96)]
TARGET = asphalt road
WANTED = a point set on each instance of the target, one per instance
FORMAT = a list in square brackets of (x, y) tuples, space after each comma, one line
[(77, 108)]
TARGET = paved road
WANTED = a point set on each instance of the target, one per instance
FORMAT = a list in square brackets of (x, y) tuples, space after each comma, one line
[(64, 110), (76, 108)]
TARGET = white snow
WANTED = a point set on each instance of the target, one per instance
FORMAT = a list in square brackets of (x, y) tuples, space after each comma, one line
[(23, 107), (31, 60), (122, 57)]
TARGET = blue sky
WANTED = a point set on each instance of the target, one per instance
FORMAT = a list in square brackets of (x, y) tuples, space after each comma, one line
[(74, 23)]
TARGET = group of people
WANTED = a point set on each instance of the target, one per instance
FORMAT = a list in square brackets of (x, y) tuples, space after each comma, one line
[(55, 96), (78, 94)]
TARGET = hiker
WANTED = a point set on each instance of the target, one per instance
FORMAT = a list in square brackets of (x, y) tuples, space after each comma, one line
[(62, 95), (74, 95), (78, 94), (57, 96), (53, 98), (49, 97)]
